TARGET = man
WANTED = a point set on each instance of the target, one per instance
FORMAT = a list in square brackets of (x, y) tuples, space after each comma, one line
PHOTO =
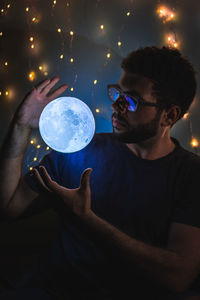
[(130, 228)]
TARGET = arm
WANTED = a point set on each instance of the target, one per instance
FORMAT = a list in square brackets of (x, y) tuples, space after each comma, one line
[(15, 193), (173, 268)]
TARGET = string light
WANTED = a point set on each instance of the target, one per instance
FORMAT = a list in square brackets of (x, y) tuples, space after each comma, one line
[(0, 93), (165, 14), (6, 63), (35, 158), (186, 115), (102, 27), (1, 33), (45, 73), (171, 40), (47, 148), (32, 46), (128, 13), (40, 68), (71, 60), (71, 33), (6, 93), (31, 39), (38, 146), (108, 55), (30, 168), (97, 110), (27, 9), (61, 56), (95, 81), (31, 76), (59, 30), (119, 44), (72, 89), (194, 142)]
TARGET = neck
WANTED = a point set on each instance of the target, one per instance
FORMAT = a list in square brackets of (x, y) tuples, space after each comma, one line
[(153, 148)]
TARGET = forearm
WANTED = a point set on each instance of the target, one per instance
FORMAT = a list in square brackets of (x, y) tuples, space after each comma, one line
[(161, 265), (11, 158)]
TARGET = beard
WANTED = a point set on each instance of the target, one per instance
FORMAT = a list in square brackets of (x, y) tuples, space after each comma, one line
[(139, 133)]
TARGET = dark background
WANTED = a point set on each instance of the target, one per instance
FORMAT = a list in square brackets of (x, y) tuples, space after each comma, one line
[(89, 47)]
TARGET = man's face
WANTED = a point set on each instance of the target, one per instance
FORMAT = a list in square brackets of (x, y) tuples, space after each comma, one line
[(142, 124)]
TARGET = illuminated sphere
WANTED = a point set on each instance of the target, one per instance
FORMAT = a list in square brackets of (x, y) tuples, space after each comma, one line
[(67, 124)]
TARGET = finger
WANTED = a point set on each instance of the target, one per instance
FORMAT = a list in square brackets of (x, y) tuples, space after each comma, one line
[(57, 92), (50, 85), (51, 184), (85, 178), (40, 181), (42, 85)]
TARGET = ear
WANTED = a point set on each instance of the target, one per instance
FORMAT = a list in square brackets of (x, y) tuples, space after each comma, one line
[(170, 115)]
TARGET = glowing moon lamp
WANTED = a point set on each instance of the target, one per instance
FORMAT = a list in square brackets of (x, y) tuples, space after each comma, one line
[(67, 124)]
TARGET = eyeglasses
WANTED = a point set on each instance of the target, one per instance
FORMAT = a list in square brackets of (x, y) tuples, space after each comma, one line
[(133, 99)]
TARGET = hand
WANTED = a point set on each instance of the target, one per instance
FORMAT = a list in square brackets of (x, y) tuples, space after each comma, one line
[(78, 200), (29, 111)]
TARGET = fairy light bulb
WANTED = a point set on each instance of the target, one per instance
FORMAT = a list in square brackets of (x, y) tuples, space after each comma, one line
[(194, 142), (47, 148), (31, 39), (31, 76), (128, 13), (108, 55), (72, 89), (61, 56), (6, 93), (71, 60), (102, 27), (119, 43), (6, 63), (38, 146), (32, 142), (95, 81), (71, 33), (59, 30), (1, 33), (27, 9), (35, 158), (97, 110), (40, 68), (186, 115), (32, 46)]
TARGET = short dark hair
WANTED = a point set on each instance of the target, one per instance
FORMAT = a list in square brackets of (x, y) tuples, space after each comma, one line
[(173, 75)]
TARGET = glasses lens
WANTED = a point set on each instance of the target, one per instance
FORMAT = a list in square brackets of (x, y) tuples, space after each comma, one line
[(114, 93), (133, 103)]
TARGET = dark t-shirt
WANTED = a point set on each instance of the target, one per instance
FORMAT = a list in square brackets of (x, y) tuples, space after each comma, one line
[(140, 197)]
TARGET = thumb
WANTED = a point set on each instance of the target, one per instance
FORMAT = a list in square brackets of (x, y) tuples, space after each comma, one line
[(85, 178)]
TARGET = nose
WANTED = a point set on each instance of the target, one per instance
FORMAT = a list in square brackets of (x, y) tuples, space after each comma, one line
[(120, 105)]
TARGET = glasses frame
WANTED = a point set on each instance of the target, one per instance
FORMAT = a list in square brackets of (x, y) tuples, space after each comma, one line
[(133, 95)]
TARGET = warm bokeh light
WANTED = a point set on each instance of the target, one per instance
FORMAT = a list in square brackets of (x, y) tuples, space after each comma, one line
[(32, 76), (185, 116), (171, 41), (95, 81), (97, 110), (165, 14), (194, 142)]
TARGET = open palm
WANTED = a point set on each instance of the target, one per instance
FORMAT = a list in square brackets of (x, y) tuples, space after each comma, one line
[(29, 111)]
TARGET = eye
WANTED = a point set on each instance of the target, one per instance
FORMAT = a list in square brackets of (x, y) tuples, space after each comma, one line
[(133, 103), (114, 94)]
